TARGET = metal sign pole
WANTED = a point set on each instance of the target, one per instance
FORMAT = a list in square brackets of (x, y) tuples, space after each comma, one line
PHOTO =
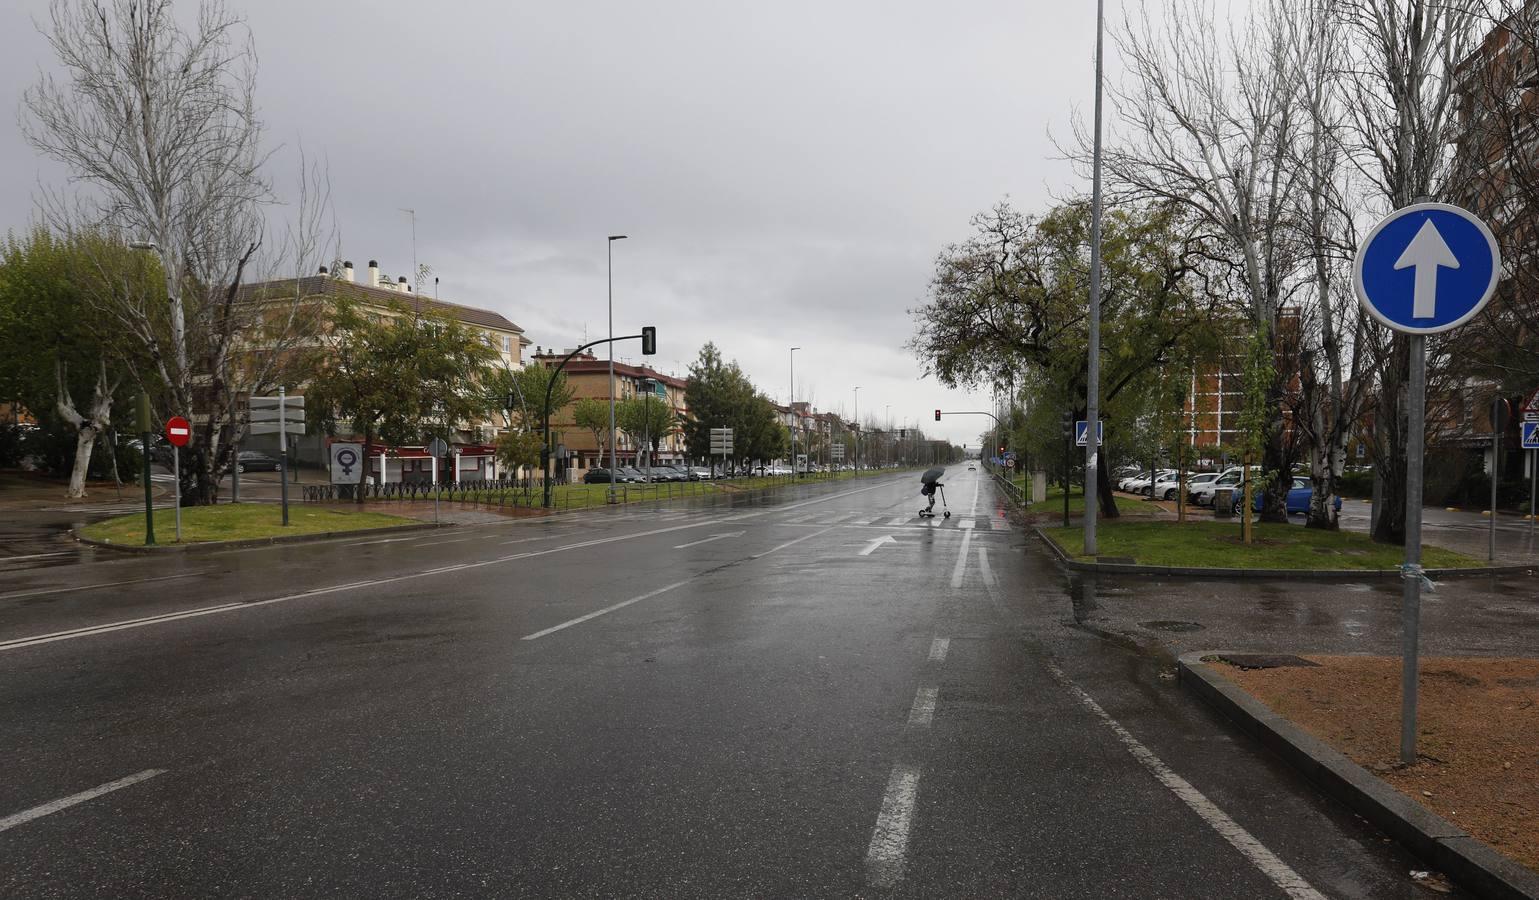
[(1411, 573), (283, 455), (176, 477), (1533, 488)]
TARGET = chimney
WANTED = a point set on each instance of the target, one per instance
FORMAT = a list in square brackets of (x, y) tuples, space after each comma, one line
[(324, 271), (347, 271), (373, 273), (403, 287)]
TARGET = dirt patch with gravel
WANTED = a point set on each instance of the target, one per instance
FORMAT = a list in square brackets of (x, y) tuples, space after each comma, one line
[(1478, 733)]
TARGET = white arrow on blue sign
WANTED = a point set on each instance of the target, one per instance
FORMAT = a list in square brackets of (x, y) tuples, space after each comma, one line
[(1082, 430), (1426, 268), (1531, 435)]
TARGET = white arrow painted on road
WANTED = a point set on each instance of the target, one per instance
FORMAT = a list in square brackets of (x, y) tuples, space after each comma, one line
[(1425, 253), (714, 537), (877, 542)]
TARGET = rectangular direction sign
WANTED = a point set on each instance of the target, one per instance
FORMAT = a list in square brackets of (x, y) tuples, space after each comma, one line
[(293, 426), (1531, 435), (1082, 432), (838, 450)]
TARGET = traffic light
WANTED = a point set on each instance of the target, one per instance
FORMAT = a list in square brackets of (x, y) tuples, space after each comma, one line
[(937, 415), (1068, 424), (649, 341)]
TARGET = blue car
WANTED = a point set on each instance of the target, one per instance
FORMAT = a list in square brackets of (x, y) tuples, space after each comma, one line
[(1298, 499)]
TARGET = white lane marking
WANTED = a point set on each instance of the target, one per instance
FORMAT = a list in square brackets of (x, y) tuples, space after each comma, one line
[(89, 631), (961, 567), (967, 523), (605, 611), (380, 541), (6, 559), (795, 520), (104, 584), (972, 509), (805, 537), (999, 524), (542, 537), (889, 840), (1263, 859), (938, 649), (877, 542), (922, 713), (714, 537), (983, 566), (53, 806), (451, 541)]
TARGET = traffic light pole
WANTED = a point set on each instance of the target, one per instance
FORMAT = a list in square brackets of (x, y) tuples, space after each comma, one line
[(648, 337)]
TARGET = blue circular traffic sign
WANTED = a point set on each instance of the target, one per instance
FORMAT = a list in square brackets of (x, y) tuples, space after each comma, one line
[(1426, 268)]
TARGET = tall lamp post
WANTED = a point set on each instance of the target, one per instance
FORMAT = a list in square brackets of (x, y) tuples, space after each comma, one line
[(1093, 381), (857, 430), (612, 466), (792, 406)]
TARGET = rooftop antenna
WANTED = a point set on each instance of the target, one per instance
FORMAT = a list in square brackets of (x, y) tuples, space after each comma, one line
[(416, 273)]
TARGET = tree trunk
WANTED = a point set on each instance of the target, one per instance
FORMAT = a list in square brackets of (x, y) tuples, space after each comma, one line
[(368, 460), (1275, 456), (1389, 458), (1103, 490), (85, 440)]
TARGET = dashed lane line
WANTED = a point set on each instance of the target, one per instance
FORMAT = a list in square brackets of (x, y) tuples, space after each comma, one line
[(984, 568), (886, 855), (939, 648), (53, 806), (605, 611), (1280, 873), (922, 713), (960, 569)]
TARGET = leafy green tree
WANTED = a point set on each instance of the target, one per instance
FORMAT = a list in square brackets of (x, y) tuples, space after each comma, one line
[(519, 449), (593, 414), (1011, 299), (526, 386), (647, 419), (721, 396), (399, 375), (64, 360)]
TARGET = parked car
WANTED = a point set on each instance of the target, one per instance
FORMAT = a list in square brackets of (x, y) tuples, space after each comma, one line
[(1232, 478), (1193, 482), (254, 461), (1167, 485), (1127, 481), (603, 476), (1144, 482), (1299, 497), (665, 473)]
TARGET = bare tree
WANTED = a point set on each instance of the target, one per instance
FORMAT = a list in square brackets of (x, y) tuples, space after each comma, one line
[(1402, 56), (159, 122), (1208, 116), (1332, 382)]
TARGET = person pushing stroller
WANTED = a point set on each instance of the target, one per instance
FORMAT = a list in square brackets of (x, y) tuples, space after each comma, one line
[(930, 485)]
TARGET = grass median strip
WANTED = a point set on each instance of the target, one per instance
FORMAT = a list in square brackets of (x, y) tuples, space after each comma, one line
[(237, 522), (1127, 506), (1218, 545)]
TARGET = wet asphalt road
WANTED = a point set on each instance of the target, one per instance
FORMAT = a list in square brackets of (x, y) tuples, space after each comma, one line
[(761, 697)]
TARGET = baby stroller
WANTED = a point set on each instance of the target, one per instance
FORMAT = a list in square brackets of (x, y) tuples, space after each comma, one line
[(931, 485)]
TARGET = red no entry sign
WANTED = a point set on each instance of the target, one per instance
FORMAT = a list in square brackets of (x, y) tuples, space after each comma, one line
[(178, 431)]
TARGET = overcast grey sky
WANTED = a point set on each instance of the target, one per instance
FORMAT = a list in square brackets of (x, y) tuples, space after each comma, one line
[(786, 171)]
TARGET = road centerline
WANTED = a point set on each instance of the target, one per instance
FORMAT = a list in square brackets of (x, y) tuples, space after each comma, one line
[(53, 806), (886, 855)]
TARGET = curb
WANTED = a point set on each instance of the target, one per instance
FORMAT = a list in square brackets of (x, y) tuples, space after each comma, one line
[(1302, 574), (206, 546), (1474, 865)]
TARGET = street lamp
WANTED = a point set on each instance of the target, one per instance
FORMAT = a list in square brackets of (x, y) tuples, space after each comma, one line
[(1093, 381), (612, 467), (857, 430), (794, 473)]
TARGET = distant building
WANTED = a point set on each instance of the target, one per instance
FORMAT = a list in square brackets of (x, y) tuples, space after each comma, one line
[(472, 455), (589, 378)]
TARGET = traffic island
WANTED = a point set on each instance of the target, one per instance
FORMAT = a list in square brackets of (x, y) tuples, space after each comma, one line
[(1470, 804), (1216, 549), (239, 524)]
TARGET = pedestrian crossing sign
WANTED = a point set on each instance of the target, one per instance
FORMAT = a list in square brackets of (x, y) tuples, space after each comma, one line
[(1531, 435)]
